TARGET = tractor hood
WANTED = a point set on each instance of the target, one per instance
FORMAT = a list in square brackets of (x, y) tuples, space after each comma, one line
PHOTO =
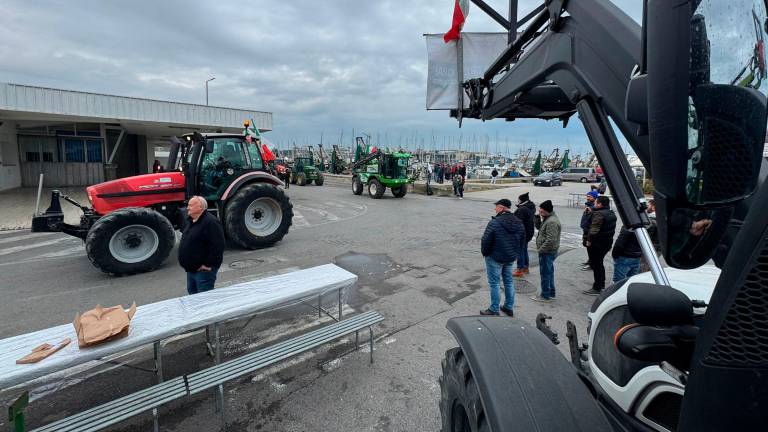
[(137, 191)]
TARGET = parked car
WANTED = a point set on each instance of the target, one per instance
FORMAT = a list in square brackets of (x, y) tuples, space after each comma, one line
[(583, 175), (548, 179)]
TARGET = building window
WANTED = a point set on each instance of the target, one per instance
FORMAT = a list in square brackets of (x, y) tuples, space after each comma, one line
[(94, 150), (74, 149), (33, 157)]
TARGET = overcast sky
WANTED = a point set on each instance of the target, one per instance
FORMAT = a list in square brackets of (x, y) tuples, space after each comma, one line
[(319, 67)]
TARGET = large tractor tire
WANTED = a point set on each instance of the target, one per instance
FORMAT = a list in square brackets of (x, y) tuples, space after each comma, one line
[(399, 192), (258, 216), (293, 179), (376, 189), (320, 180), (130, 240), (357, 185), (461, 409), (301, 179)]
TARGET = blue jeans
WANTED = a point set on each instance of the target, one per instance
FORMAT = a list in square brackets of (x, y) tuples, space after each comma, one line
[(495, 271), (523, 260), (547, 269), (624, 267), (198, 282)]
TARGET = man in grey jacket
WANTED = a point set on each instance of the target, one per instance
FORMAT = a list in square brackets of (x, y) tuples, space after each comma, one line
[(547, 244)]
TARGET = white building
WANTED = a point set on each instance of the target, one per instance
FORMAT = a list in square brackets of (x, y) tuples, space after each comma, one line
[(78, 139)]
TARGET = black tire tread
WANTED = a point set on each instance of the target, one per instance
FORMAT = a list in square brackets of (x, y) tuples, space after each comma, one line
[(457, 385), (234, 227), (98, 237)]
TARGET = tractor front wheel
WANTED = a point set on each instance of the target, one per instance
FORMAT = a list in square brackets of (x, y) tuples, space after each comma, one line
[(357, 185), (258, 216), (400, 191), (301, 179), (130, 240), (460, 407), (319, 180), (376, 189)]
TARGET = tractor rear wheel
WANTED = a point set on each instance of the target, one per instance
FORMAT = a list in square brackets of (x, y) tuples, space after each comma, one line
[(376, 189), (461, 409), (357, 185), (399, 192), (301, 179), (319, 180), (130, 240), (258, 216), (293, 179)]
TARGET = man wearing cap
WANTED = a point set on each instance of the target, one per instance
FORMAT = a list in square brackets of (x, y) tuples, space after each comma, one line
[(525, 212), (500, 245), (586, 220), (599, 241), (547, 244)]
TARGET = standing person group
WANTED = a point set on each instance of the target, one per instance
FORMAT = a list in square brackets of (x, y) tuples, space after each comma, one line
[(526, 211), (547, 245), (598, 240)]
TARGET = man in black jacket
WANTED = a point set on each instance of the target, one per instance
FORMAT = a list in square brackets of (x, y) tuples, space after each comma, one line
[(201, 250), (502, 240), (626, 255), (525, 212), (599, 241)]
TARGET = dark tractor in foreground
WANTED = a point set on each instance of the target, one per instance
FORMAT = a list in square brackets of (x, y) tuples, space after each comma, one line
[(680, 349), (129, 227)]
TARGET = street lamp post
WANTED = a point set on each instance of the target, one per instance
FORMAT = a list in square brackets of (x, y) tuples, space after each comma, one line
[(206, 89)]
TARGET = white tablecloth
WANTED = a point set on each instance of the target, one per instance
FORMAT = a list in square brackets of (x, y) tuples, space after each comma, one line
[(158, 321)]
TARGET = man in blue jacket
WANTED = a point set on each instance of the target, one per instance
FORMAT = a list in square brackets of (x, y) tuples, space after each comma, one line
[(503, 238)]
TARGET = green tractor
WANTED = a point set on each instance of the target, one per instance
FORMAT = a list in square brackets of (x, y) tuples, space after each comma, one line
[(378, 170), (305, 171)]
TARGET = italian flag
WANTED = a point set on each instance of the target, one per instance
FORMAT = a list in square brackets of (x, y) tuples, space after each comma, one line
[(460, 12), (251, 132)]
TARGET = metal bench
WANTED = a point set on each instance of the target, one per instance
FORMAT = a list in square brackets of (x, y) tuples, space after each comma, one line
[(121, 409), (150, 398)]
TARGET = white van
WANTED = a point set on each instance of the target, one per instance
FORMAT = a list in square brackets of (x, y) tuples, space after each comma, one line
[(583, 175)]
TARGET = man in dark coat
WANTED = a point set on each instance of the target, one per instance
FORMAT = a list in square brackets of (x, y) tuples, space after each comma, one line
[(201, 250), (501, 242), (586, 221), (599, 241), (525, 212), (626, 255)]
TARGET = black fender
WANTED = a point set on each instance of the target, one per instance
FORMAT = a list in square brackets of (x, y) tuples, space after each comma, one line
[(525, 383), (247, 178)]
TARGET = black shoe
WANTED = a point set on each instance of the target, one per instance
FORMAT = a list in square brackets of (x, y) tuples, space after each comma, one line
[(585, 263), (489, 312), (592, 292), (507, 311)]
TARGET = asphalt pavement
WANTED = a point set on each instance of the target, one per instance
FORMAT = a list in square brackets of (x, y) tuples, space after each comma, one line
[(418, 263)]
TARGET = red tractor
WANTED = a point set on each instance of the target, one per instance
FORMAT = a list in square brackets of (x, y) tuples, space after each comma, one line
[(130, 225)]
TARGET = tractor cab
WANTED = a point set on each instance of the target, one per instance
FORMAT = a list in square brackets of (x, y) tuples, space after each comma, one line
[(395, 165), (211, 162)]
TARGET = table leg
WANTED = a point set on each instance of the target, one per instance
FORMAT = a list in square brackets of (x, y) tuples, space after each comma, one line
[(340, 304), (357, 340), (370, 338), (319, 306)]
